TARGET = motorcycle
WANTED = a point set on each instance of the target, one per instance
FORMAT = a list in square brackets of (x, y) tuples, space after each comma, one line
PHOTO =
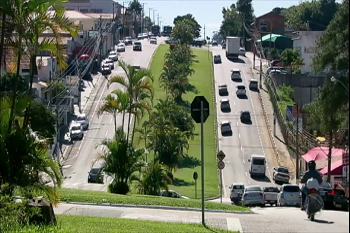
[(313, 204)]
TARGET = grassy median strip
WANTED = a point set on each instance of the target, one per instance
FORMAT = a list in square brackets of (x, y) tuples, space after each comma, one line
[(202, 81), (75, 195), (87, 224)]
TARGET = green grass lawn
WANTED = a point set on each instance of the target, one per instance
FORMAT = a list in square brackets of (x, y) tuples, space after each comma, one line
[(202, 79), (75, 195)]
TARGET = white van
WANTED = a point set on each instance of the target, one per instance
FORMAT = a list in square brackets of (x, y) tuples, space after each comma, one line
[(257, 165)]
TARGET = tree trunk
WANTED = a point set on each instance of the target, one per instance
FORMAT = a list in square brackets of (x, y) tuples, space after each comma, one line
[(129, 121), (330, 156), (133, 131), (14, 94), (123, 120), (115, 123), (32, 68), (2, 38)]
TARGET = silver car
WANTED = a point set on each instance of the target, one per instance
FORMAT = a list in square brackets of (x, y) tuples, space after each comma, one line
[(83, 120), (253, 196)]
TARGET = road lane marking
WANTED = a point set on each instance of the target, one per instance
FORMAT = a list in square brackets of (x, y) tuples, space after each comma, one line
[(243, 161), (237, 123), (98, 102), (234, 102), (246, 173), (239, 135), (111, 120), (106, 133), (241, 148)]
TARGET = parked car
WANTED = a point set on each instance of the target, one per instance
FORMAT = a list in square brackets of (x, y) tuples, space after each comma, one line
[(332, 198), (226, 129), (105, 69), (113, 56), (270, 195), (217, 59), (121, 47), (137, 46), (281, 174), (172, 194), (128, 41), (340, 201), (96, 174), (253, 196), (109, 62), (83, 120), (225, 105), (237, 190), (223, 89), (289, 195), (76, 131)]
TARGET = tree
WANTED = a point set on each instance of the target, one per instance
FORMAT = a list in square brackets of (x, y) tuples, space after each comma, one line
[(291, 58), (42, 120), (148, 23), (232, 22), (7, 81), (153, 179), (56, 88), (183, 31), (192, 22), (279, 10), (111, 106), (246, 11), (135, 8), (138, 83), (121, 160)]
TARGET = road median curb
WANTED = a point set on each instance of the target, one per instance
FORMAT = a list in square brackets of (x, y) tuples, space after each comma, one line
[(157, 207)]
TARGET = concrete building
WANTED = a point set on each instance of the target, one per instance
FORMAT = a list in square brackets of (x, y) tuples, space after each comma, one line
[(305, 43), (94, 6)]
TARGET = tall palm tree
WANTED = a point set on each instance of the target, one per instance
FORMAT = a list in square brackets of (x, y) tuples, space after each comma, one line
[(123, 101), (137, 81), (111, 106), (24, 166)]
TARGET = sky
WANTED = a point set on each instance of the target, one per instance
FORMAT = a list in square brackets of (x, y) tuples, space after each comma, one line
[(206, 12)]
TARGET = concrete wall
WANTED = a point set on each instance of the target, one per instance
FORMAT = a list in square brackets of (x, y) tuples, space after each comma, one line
[(296, 80), (306, 45)]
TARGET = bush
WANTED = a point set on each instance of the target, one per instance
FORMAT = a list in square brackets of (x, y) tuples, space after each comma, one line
[(118, 188)]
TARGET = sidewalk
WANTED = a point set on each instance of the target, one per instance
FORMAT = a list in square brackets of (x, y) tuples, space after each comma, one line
[(280, 148)]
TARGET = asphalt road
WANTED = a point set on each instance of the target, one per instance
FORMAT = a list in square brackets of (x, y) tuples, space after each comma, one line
[(246, 139), (84, 153), (267, 220)]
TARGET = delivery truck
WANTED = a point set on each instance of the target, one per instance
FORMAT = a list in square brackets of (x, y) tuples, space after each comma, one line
[(232, 47)]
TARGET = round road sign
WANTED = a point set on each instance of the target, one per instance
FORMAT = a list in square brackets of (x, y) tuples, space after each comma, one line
[(195, 175), (221, 165)]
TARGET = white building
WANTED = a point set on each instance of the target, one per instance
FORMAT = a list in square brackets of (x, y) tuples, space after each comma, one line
[(92, 6), (306, 43)]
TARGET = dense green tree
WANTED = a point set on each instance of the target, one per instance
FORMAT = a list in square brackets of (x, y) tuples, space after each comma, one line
[(192, 22), (183, 31), (231, 24), (279, 10), (55, 88), (147, 23), (8, 80), (291, 58), (42, 120)]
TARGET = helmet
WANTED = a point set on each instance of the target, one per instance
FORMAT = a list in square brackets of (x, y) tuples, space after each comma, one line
[(312, 165)]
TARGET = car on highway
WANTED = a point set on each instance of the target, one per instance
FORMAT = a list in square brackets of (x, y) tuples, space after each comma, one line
[(225, 105), (289, 195), (83, 120), (236, 75), (106, 69), (237, 190), (172, 194), (217, 59), (241, 91), (242, 52), (223, 89), (96, 174), (270, 195), (253, 196), (226, 129), (245, 117), (109, 62), (113, 55), (137, 46), (76, 131), (153, 40), (257, 165), (281, 174), (128, 41), (140, 36), (145, 35), (214, 43), (121, 47), (253, 84)]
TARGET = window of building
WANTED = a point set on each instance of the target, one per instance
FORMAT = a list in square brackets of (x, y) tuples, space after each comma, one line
[(95, 10), (84, 10), (310, 49)]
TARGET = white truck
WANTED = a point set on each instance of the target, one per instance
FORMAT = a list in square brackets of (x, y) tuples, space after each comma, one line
[(232, 47)]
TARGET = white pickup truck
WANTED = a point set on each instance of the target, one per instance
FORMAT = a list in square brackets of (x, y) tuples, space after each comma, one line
[(270, 195)]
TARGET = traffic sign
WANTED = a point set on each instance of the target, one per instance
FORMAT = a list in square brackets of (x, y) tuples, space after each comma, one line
[(221, 165), (221, 155), (195, 175), (196, 109)]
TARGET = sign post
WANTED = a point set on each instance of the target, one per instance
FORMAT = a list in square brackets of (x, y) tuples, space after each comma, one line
[(200, 113), (221, 165), (195, 177)]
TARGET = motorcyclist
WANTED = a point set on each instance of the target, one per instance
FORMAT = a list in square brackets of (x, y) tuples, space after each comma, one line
[(311, 173)]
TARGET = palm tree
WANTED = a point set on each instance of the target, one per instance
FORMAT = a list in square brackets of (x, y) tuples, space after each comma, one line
[(123, 100), (111, 106), (25, 166), (120, 167), (144, 133), (152, 180), (137, 83)]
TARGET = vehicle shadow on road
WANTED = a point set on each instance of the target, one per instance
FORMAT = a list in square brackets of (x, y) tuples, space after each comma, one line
[(236, 60), (256, 90), (261, 179), (322, 221)]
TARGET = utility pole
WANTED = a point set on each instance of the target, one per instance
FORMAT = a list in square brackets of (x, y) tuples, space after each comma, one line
[(158, 19), (271, 25), (100, 32), (297, 147), (124, 11), (243, 31), (261, 70), (154, 18), (142, 18)]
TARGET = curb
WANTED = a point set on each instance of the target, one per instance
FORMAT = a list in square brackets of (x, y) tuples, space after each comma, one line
[(156, 207)]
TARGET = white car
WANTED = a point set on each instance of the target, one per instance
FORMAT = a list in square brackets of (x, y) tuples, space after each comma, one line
[(76, 131), (237, 191), (83, 120), (289, 195), (113, 56), (253, 196), (242, 52), (109, 62), (153, 40), (172, 194), (281, 174), (121, 47)]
